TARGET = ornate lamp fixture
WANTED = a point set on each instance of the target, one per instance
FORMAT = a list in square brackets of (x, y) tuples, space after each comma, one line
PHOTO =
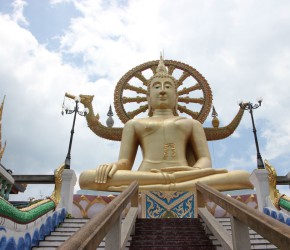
[(250, 106), (75, 111)]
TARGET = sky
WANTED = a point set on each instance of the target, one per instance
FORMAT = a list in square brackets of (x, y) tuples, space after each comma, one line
[(51, 47)]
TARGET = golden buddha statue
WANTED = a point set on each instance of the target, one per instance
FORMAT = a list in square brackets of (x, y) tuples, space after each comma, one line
[(175, 150)]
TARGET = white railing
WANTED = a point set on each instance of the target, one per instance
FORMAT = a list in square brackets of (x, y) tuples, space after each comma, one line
[(108, 224), (242, 218)]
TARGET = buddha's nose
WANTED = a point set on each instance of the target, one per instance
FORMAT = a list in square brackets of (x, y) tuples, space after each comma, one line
[(162, 92)]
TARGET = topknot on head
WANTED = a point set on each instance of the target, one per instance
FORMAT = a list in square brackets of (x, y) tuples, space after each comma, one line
[(161, 72), (161, 69)]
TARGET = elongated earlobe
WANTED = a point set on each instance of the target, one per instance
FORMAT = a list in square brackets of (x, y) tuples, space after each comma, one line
[(150, 111), (175, 108)]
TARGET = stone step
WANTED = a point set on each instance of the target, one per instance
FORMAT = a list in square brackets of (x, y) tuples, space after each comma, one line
[(61, 233), (170, 234), (255, 245), (57, 238), (67, 229), (44, 248), (257, 241), (71, 225), (178, 220), (223, 218), (171, 243), (189, 231), (169, 237), (50, 243), (263, 247), (76, 220), (167, 223), (173, 248)]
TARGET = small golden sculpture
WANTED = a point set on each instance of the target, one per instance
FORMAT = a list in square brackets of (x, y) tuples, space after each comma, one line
[(175, 150), (56, 194), (274, 192)]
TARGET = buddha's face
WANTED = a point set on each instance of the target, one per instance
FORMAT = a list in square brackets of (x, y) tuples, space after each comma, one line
[(162, 93)]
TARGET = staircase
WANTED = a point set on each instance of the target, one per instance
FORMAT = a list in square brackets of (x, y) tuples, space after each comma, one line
[(170, 234), (61, 233), (257, 241), (158, 234)]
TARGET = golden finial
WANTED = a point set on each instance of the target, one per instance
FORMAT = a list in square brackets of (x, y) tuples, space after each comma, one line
[(215, 121), (110, 120)]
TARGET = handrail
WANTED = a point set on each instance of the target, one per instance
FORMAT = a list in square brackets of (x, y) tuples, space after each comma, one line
[(94, 231), (271, 229)]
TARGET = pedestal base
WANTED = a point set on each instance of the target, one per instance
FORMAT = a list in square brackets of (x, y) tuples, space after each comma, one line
[(167, 204), (155, 204)]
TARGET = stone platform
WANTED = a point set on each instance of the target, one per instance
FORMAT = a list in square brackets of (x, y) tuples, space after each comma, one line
[(153, 204)]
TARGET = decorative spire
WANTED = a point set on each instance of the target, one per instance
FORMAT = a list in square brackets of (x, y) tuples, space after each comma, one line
[(161, 69), (215, 121), (110, 121), (214, 113)]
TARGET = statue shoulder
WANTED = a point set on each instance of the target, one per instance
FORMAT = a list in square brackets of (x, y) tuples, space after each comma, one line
[(134, 122), (189, 121), (130, 125), (191, 124)]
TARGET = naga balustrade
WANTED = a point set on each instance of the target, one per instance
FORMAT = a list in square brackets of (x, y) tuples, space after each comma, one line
[(242, 218), (108, 224)]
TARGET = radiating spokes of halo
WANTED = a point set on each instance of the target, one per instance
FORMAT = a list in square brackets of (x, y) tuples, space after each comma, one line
[(194, 94)]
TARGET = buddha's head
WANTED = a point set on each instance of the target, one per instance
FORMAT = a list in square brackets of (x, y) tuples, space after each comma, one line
[(162, 90)]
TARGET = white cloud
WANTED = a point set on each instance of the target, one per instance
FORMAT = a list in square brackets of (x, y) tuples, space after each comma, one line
[(241, 47), (35, 80), (18, 7)]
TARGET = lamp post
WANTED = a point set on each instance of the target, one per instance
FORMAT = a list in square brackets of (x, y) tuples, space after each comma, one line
[(75, 111), (250, 106)]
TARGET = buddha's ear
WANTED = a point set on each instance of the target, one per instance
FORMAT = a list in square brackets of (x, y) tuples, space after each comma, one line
[(175, 107), (150, 111)]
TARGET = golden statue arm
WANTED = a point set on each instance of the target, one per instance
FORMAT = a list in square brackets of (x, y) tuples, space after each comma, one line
[(115, 134), (213, 134), (93, 122)]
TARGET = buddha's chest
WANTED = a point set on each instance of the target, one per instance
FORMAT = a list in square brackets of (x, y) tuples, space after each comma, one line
[(163, 130)]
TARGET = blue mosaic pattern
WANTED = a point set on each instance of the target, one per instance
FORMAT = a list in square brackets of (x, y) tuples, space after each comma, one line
[(167, 204), (29, 240), (277, 215)]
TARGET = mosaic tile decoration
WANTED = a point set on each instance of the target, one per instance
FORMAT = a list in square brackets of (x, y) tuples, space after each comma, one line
[(167, 204)]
